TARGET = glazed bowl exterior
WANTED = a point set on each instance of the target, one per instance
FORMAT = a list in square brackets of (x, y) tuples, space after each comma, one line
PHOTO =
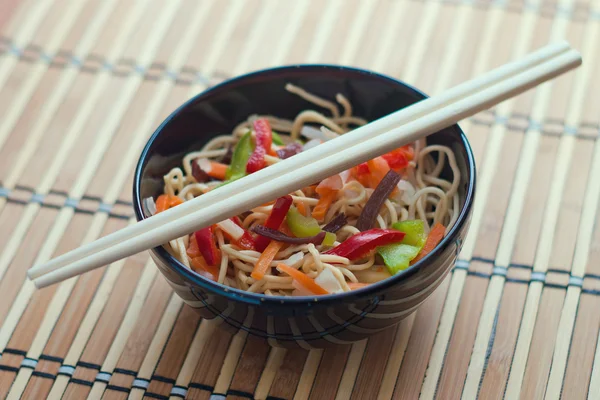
[(283, 321)]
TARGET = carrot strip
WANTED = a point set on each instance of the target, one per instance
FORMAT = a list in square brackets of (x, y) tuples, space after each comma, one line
[(162, 203), (378, 168), (217, 170), (357, 285), (193, 250), (433, 239), (323, 204), (265, 259), (166, 201), (303, 279), (199, 264), (301, 208), (174, 201)]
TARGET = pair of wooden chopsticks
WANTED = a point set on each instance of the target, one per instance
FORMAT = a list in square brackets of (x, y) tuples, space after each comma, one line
[(360, 145)]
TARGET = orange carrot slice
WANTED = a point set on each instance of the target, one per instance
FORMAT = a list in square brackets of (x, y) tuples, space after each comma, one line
[(303, 279), (166, 201), (301, 208), (199, 264), (265, 260), (323, 204), (378, 168), (433, 239), (217, 170)]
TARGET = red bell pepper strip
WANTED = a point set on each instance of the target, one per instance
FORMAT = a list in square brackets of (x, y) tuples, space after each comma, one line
[(207, 246), (399, 158), (361, 244), (233, 229), (264, 140), (274, 220), (247, 240)]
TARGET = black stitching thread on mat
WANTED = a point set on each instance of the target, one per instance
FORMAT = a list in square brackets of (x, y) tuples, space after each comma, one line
[(124, 371), (275, 398), (76, 209), (157, 71), (123, 67), (51, 358), (233, 392), (9, 369), (522, 266), (88, 365), (210, 389), (557, 271), (162, 379), (523, 129), (549, 10), (136, 69), (44, 375), (118, 388), (15, 351), (81, 382), (156, 396), (200, 386)]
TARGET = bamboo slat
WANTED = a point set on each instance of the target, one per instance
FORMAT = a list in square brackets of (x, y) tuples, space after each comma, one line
[(84, 83)]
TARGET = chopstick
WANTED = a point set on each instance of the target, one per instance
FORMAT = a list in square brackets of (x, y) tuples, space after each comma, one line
[(367, 142), (358, 135)]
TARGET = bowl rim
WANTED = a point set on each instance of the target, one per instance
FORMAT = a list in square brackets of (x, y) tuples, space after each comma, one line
[(257, 298)]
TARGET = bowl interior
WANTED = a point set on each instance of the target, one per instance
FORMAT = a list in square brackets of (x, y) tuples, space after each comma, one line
[(218, 110)]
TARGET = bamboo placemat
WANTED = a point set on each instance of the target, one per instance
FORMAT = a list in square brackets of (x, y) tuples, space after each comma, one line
[(83, 83)]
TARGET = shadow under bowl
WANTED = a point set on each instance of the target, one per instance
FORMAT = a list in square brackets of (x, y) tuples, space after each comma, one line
[(284, 321)]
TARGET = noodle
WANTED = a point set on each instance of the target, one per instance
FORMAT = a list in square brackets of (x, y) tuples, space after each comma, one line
[(426, 195)]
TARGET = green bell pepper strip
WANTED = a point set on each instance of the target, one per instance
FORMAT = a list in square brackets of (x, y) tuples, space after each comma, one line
[(329, 239), (397, 257), (239, 159), (414, 230), (277, 139), (300, 225)]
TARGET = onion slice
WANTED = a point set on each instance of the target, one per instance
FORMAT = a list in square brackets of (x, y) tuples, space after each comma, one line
[(199, 173), (380, 194), (282, 237), (150, 206), (312, 143), (328, 281), (294, 260), (232, 229)]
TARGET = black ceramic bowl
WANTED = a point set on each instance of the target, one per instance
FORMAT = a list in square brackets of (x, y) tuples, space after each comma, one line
[(283, 321)]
